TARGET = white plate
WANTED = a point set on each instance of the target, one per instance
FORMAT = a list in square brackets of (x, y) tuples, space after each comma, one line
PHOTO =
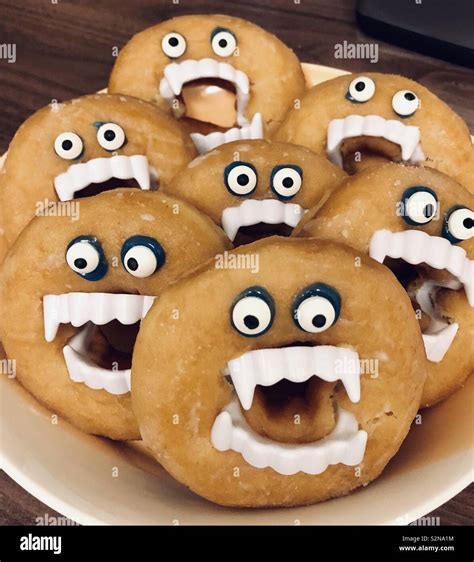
[(95, 481)]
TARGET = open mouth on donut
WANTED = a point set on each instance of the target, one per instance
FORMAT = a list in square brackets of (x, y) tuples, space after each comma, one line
[(375, 136), (258, 218), (186, 85), (292, 382), (102, 174), (418, 248), (99, 354)]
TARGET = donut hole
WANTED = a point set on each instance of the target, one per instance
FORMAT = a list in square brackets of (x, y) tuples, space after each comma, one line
[(248, 234), (362, 152), (112, 183), (209, 100)]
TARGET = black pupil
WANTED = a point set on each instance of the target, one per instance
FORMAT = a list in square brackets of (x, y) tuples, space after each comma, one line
[(222, 43), (243, 179), (429, 210), (360, 86), (468, 223), (80, 263), (251, 322), (319, 320), (109, 135), (288, 182), (409, 96), (66, 144), (132, 264), (173, 41)]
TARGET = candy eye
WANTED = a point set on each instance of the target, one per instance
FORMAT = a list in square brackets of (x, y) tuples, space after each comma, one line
[(173, 45), (111, 136), (459, 224), (142, 256), (286, 180), (240, 178), (405, 103), (316, 308), (68, 145), (85, 257), (223, 42), (361, 89), (420, 205), (252, 312)]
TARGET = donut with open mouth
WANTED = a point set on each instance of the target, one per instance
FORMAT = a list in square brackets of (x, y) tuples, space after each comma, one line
[(420, 223), (73, 294), (226, 78), (282, 385), (256, 188), (83, 147), (359, 120)]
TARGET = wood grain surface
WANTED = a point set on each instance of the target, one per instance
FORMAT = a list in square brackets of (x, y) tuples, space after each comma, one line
[(64, 48)]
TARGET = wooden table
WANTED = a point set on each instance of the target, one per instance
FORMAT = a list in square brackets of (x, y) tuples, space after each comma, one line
[(64, 49)]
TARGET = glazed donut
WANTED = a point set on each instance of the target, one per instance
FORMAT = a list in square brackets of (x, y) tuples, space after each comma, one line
[(73, 292), (256, 76), (359, 120), (420, 222), (256, 188), (282, 386), (84, 146)]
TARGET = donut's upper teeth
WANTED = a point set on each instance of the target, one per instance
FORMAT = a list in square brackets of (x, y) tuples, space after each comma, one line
[(416, 247), (407, 136), (255, 211), (98, 170), (100, 308), (267, 367)]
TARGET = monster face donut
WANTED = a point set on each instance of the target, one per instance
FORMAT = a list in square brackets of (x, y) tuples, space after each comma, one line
[(82, 147), (359, 120), (226, 78), (256, 188), (280, 387), (73, 294), (420, 223)]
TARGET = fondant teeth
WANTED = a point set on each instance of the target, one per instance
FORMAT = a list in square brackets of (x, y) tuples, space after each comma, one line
[(100, 308), (267, 367), (438, 344), (254, 211), (345, 444), (98, 170), (254, 130), (83, 370), (407, 136), (416, 247)]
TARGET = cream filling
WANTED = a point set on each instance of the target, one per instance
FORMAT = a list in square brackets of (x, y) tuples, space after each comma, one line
[(98, 170), (345, 444), (406, 136)]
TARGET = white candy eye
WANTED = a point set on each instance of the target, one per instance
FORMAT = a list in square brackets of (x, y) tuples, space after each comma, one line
[(361, 89), (223, 42), (252, 312), (68, 145), (173, 45), (405, 103), (111, 136), (459, 224), (286, 180), (420, 205), (142, 256), (85, 257), (240, 178), (316, 308)]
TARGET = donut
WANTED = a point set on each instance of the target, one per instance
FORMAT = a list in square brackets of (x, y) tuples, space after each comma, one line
[(280, 386), (420, 223), (73, 292), (84, 146), (359, 120), (256, 188), (226, 78)]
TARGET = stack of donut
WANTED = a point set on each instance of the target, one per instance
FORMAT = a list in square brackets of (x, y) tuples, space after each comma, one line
[(263, 282)]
